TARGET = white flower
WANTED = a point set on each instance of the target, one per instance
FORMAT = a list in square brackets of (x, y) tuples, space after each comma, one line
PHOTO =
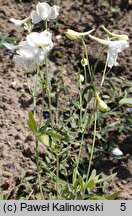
[(25, 59), (29, 56), (20, 24), (115, 47), (44, 12), (41, 40), (31, 52), (117, 152)]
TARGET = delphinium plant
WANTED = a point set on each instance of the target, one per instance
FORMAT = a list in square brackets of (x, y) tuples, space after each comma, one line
[(65, 144)]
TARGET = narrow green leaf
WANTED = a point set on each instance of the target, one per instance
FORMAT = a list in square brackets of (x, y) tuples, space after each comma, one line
[(107, 178), (93, 175), (85, 90), (90, 184), (113, 195), (75, 171), (88, 121), (75, 103), (80, 179), (32, 123), (125, 101), (54, 135), (75, 184), (44, 127)]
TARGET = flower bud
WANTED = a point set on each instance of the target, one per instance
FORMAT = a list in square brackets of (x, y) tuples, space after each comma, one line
[(101, 104), (84, 62), (116, 36), (80, 78), (73, 35)]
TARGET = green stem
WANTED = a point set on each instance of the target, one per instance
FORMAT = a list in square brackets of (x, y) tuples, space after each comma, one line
[(104, 72), (38, 169), (49, 91), (92, 151), (86, 53), (34, 96), (48, 84), (57, 174), (43, 91), (80, 107), (85, 72), (36, 139), (79, 155)]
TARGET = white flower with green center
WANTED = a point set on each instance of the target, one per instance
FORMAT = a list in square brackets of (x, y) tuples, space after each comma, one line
[(114, 47), (44, 12)]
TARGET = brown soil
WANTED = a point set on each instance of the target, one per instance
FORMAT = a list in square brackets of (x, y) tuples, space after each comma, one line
[(16, 142)]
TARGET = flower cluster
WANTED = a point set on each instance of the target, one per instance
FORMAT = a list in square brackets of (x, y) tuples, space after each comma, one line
[(44, 12), (115, 44), (33, 50)]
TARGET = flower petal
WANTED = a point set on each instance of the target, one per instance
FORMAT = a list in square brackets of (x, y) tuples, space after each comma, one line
[(115, 47), (10, 46), (18, 23), (33, 39), (35, 17), (54, 12), (43, 9)]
